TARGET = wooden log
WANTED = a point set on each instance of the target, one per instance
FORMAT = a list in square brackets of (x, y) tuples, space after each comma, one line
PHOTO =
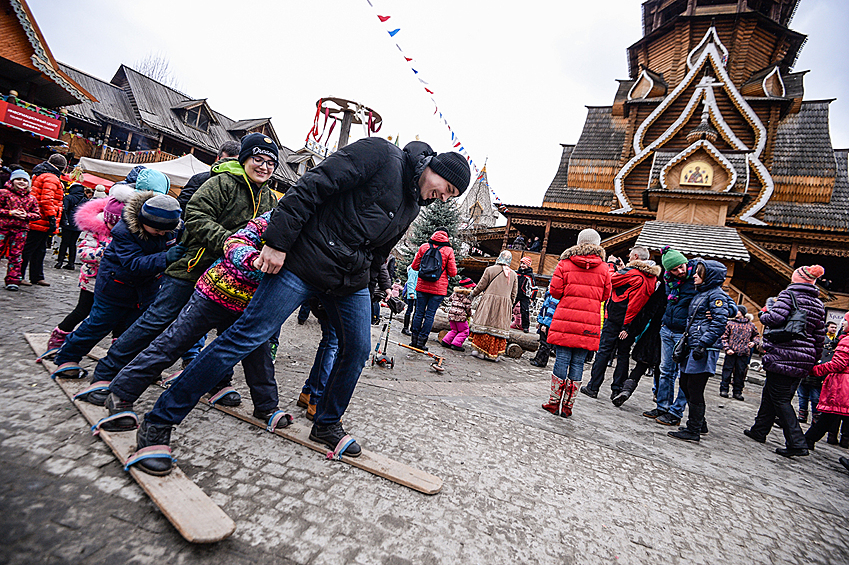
[(527, 341), (514, 350)]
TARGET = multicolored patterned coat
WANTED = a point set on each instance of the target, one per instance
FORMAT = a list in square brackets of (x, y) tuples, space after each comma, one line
[(461, 305), (232, 280), (13, 198)]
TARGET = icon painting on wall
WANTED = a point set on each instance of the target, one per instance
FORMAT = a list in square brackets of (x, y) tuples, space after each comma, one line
[(697, 173)]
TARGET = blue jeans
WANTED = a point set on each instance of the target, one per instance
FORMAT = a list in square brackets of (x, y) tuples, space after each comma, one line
[(198, 317), (325, 355), (808, 393), (275, 299), (426, 306), (193, 351), (106, 315), (569, 362), (172, 296), (666, 399)]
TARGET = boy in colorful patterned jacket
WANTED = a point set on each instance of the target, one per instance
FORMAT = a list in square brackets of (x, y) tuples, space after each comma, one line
[(739, 338), (220, 297)]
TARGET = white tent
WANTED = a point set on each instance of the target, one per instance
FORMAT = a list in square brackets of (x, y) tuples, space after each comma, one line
[(178, 171)]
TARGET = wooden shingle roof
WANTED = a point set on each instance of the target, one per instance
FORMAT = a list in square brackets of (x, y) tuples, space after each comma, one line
[(112, 102), (603, 136), (803, 144), (712, 242), (833, 216)]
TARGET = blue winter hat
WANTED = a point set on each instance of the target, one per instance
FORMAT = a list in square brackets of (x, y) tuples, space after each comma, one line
[(19, 174), (150, 179), (161, 212)]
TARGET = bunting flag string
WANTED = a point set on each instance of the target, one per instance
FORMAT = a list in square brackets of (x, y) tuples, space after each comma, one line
[(393, 31)]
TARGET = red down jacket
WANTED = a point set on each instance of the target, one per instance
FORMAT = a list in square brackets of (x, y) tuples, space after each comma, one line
[(632, 288), (449, 266), (47, 189), (834, 397), (581, 282)]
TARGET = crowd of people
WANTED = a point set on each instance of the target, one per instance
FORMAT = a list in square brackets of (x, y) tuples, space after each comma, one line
[(159, 273)]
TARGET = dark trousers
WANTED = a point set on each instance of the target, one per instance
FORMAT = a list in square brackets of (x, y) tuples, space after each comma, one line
[(545, 349), (826, 423), (198, 317), (411, 308), (775, 402), (525, 309), (736, 364), (640, 369), (693, 385), (79, 313), (304, 312), (69, 245), (611, 345), (33, 256), (172, 296)]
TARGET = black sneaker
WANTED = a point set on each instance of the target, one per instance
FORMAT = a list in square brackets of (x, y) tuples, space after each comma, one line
[(148, 435), (96, 397), (685, 435), (331, 435), (738, 396), (749, 434), (588, 392), (655, 413), (668, 420), (723, 393), (123, 424), (620, 398), (704, 431), (230, 399)]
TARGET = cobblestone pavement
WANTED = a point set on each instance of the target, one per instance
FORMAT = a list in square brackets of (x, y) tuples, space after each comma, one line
[(521, 485)]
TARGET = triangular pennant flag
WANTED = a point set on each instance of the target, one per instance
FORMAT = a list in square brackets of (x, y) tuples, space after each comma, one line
[(408, 58), (429, 90), (393, 32), (414, 70), (383, 18), (422, 81), (457, 144)]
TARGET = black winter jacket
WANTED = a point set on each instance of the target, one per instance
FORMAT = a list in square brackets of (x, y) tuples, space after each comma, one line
[(191, 187), (70, 203), (677, 313), (338, 223)]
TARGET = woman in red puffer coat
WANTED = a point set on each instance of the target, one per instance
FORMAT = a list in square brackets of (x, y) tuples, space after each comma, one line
[(834, 398), (430, 294), (581, 282)]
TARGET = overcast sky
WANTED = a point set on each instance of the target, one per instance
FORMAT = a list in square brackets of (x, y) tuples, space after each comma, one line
[(512, 79)]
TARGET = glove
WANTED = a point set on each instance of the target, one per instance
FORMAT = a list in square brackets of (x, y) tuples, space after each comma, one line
[(175, 253), (51, 221), (699, 353), (379, 294)]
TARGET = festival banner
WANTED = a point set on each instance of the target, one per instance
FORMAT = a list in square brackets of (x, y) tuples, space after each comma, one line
[(30, 121)]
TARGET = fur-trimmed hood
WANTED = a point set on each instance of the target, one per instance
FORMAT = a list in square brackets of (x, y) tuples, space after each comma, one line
[(89, 217), (584, 249), (132, 211), (644, 266), (121, 192), (462, 290)]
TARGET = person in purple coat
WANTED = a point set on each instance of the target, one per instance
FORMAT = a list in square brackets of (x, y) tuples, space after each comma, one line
[(787, 363)]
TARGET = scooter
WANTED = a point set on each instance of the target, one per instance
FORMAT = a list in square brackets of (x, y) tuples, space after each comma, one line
[(381, 359)]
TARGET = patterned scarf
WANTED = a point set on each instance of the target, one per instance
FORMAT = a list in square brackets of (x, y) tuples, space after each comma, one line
[(673, 283)]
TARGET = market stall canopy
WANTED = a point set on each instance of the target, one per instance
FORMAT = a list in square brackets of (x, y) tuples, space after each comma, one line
[(178, 171), (89, 181)]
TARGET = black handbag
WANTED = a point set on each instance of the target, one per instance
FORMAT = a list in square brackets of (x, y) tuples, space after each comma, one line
[(682, 348), (795, 326)]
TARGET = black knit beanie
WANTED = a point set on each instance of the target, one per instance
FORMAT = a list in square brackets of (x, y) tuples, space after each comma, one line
[(258, 144), (161, 212), (454, 168)]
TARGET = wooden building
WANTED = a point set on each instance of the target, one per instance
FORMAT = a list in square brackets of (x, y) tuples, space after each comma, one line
[(137, 119), (33, 88), (709, 146)]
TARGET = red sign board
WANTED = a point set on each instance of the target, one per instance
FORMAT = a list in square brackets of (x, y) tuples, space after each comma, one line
[(28, 120)]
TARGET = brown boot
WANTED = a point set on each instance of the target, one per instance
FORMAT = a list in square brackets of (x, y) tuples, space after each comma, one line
[(569, 398), (303, 400), (311, 411), (553, 404)]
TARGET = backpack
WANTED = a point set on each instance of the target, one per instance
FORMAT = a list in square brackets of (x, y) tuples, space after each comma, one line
[(430, 268), (794, 327)]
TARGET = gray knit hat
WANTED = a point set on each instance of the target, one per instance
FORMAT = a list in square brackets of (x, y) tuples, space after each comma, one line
[(58, 161), (590, 236), (161, 212)]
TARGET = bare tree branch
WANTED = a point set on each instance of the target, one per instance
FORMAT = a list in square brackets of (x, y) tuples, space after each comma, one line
[(158, 67)]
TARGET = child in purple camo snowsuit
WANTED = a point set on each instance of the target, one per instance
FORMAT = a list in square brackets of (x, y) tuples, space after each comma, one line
[(458, 315), (17, 208)]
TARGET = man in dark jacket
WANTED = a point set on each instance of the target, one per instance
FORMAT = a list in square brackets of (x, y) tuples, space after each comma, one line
[(633, 284), (680, 290), (70, 232), (228, 150), (328, 236)]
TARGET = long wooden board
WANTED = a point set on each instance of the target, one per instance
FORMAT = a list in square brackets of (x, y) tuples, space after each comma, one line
[(187, 507), (374, 463), (367, 461)]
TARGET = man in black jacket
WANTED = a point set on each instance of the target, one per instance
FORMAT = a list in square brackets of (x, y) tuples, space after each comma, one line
[(328, 237)]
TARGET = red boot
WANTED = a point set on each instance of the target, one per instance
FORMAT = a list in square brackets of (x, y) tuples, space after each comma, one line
[(569, 398), (553, 404), (57, 338)]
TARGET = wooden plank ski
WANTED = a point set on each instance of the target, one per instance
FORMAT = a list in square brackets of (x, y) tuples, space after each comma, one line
[(187, 507), (374, 463)]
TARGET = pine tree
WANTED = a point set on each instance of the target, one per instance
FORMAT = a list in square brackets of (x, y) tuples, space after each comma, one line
[(444, 215)]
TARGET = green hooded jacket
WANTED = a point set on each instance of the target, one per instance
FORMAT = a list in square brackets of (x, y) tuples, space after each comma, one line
[(221, 206)]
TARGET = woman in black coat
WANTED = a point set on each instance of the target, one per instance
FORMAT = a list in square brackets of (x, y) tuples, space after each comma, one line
[(788, 362)]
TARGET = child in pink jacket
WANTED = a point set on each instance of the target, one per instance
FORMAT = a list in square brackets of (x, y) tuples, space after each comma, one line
[(17, 208), (458, 315)]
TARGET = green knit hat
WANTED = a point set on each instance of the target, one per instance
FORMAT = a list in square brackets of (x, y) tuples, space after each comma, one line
[(672, 258)]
